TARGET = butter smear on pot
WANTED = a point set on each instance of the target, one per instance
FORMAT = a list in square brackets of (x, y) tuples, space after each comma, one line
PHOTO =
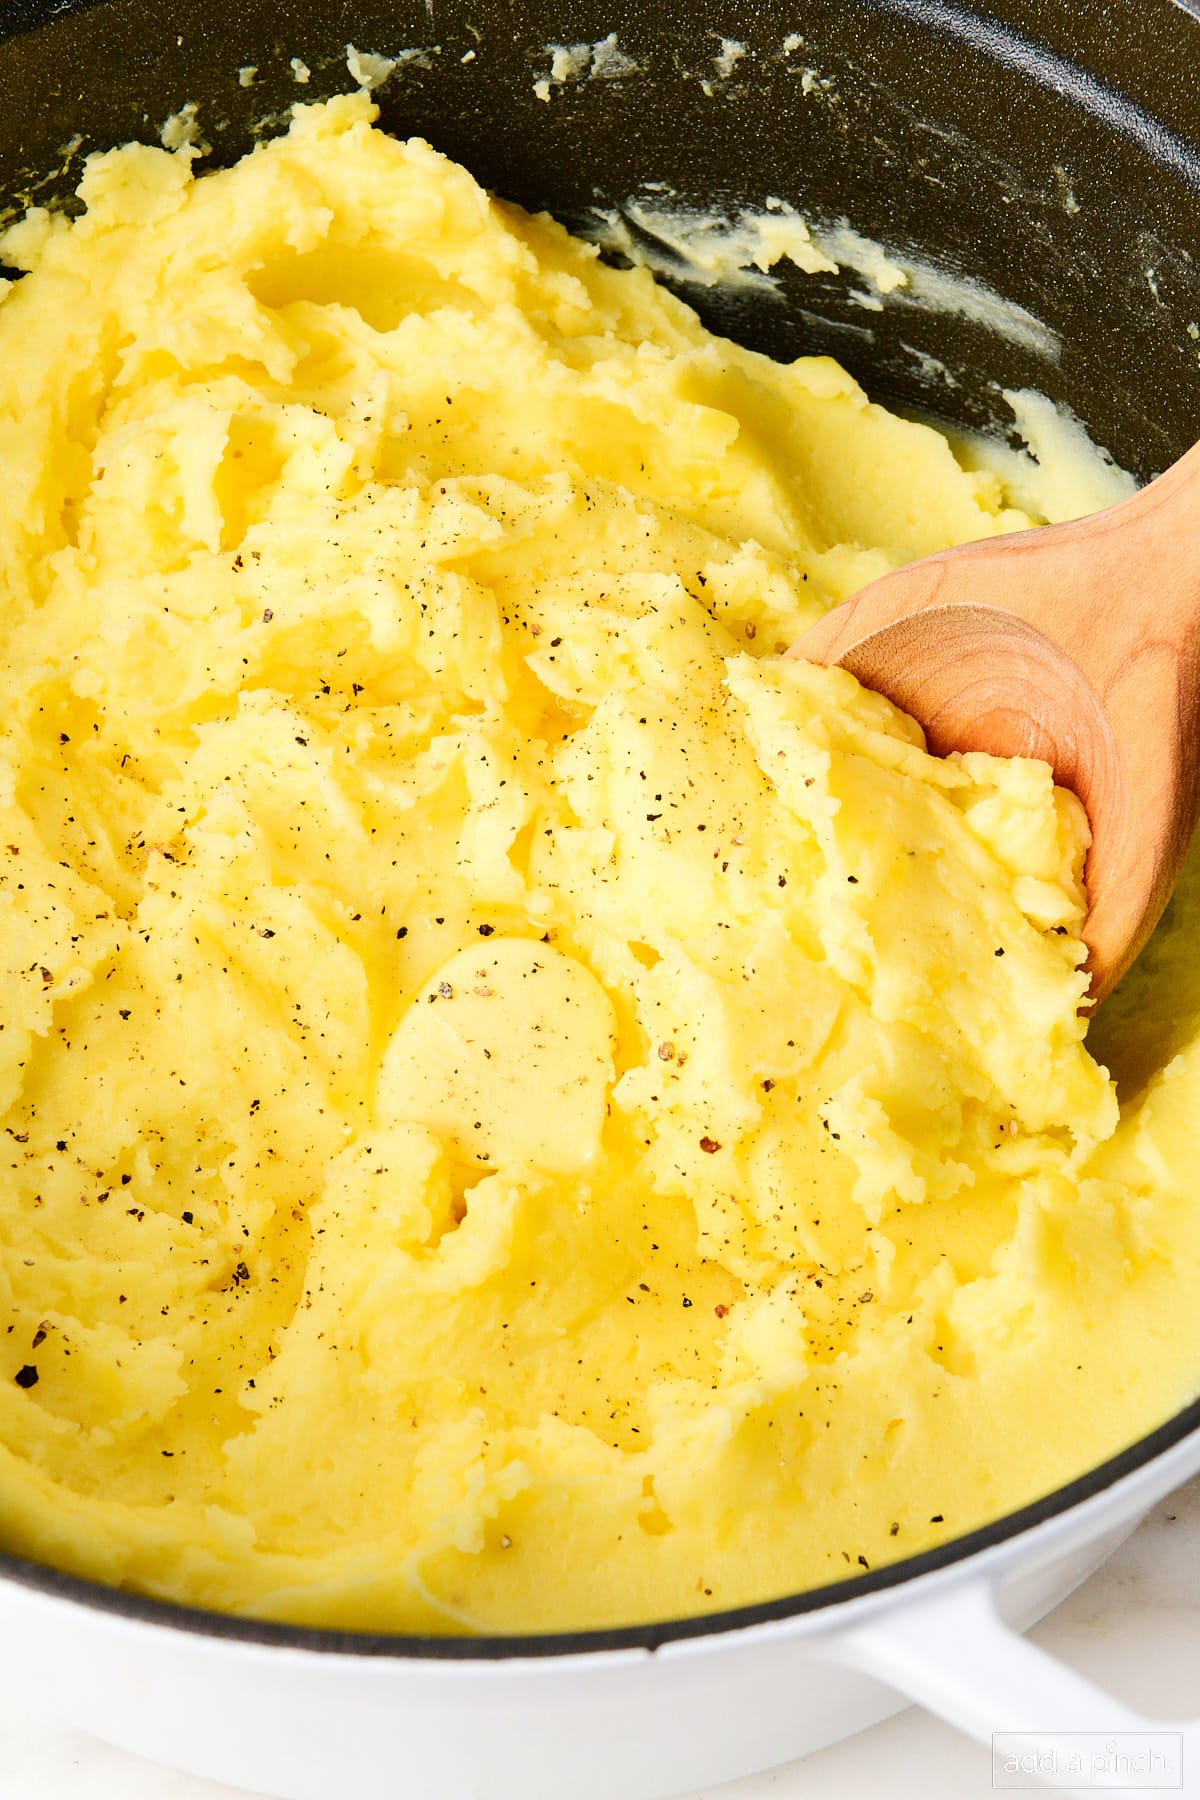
[(522, 1109)]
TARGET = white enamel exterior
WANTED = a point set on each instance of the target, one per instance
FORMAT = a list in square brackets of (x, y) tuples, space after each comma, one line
[(639, 1724)]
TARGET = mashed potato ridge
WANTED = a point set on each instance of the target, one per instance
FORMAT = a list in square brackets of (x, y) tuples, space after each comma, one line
[(523, 1108)]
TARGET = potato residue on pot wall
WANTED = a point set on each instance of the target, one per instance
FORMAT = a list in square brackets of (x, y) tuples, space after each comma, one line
[(522, 1108)]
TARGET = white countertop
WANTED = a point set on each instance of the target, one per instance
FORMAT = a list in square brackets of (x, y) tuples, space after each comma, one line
[(1134, 1627)]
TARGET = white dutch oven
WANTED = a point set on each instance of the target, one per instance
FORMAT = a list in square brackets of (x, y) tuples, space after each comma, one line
[(1032, 144), (640, 1713)]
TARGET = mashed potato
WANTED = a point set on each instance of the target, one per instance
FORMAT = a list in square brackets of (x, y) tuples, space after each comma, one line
[(522, 1108)]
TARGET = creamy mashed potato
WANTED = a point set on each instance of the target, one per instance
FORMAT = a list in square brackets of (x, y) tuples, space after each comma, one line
[(522, 1108)]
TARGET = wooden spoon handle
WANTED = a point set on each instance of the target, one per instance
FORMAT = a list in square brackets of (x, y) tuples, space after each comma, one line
[(1131, 582), (1128, 615), (1079, 643)]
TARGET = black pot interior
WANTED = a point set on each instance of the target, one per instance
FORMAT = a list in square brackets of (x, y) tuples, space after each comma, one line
[(1049, 149)]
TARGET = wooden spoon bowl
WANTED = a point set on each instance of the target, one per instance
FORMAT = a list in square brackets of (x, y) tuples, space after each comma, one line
[(1076, 643)]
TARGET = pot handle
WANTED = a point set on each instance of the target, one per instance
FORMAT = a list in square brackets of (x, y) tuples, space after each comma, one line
[(953, 1653)]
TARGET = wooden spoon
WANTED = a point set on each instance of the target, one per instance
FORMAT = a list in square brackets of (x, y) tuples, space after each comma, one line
[(1078, 643)]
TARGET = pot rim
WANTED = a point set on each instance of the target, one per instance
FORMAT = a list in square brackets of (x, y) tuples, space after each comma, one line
[(143, 1609)]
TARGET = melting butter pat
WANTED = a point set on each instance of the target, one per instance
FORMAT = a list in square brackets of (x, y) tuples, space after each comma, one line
[(508, 1052)]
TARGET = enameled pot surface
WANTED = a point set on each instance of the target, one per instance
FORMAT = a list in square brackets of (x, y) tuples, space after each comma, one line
[(1049, 149)]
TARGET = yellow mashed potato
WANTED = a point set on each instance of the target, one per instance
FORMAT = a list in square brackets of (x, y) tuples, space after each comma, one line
[(522, 1108)]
